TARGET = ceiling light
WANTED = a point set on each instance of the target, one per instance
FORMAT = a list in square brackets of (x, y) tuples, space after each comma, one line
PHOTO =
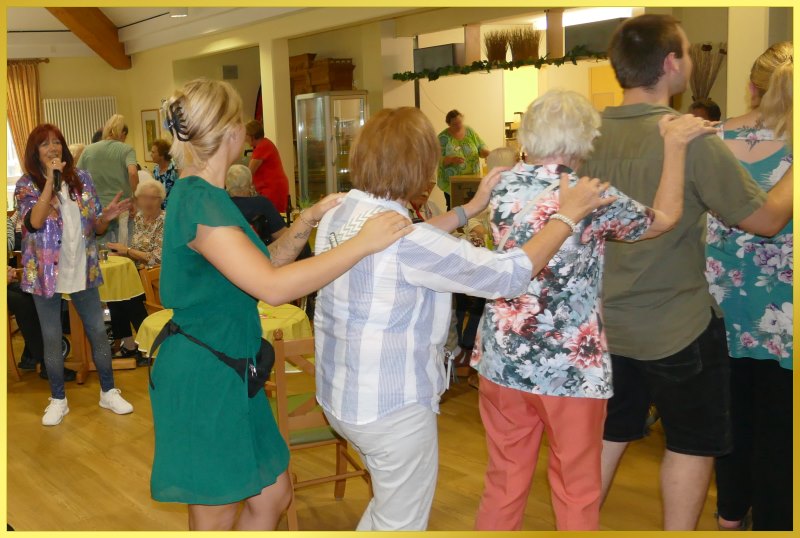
[(572, 17), (178, 12)]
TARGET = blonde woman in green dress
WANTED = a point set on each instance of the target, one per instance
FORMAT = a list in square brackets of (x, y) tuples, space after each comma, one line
[(462, 149), (215, 447)]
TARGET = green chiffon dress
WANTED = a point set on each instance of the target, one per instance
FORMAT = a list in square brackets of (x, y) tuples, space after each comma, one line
[(213, 444)]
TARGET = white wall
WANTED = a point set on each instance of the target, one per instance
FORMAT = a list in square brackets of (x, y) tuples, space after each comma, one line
[(748, 31), (479, 96), (703, 25), (397, 56), (210, 66)]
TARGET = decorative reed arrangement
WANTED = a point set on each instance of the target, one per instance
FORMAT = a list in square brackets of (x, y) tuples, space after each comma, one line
[(707, 64), (524, 42), (496, 43)]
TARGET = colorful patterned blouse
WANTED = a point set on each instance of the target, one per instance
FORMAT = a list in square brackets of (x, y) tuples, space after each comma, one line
[(148, 237), (168, 178), (468, 147), (751, 276), (40, 249), (551, 340)]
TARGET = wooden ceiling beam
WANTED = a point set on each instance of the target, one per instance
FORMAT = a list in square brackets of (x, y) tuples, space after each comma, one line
[(92, 27)]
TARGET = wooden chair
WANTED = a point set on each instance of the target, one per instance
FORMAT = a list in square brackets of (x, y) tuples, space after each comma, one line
[(302, 422), (12, 360), (150, 283)]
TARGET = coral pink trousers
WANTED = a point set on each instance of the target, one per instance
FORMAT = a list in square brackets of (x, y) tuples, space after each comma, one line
[(514, 422)]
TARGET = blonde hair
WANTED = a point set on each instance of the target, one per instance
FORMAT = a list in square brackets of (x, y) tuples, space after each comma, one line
[(115, 127), (239, 179), (396, 154), (559, 123), (151, 185), (504, 156), (209, 109), (771, 75)]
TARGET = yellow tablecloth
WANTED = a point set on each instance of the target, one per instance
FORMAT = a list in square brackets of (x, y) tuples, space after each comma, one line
[(121, 280), (290, 319)]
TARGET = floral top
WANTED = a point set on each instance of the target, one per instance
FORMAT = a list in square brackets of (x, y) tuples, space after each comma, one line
[(167, 178), (148, 237), (551, 340), (468, 147), (41, 248), (751, 276)]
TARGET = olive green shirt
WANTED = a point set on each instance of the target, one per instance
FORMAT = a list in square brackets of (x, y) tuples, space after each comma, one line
[(655, 295), (107, 162)]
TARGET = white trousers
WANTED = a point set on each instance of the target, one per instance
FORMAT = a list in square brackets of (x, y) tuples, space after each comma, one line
[(401, 452)]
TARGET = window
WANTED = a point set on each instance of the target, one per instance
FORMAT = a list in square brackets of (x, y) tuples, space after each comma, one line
[(13, 169)]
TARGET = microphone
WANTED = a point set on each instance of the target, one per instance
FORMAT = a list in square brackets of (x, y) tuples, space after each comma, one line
[(57, 181)]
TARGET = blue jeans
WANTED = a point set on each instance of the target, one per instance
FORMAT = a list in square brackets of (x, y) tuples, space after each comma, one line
[(112, 233), (87, 303)]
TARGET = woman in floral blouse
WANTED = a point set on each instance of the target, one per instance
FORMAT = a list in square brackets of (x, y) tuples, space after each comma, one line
[(750, 276), (145, 251), (62, 213), (164, 170), (462, 149), (542, 357)]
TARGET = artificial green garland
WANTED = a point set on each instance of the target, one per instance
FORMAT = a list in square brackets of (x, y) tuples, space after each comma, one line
[(579, 52)]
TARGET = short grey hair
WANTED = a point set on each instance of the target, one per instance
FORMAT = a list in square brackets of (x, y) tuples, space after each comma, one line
[(559, 123), (503, 156), (239, 179), (151, 185)]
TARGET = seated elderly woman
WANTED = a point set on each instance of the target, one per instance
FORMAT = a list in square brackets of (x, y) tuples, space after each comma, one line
[(258, 210), (145, 251), (380, 328), (542, 357)]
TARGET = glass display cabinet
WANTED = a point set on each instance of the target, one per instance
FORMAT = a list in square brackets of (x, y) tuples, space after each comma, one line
[(326, 124)]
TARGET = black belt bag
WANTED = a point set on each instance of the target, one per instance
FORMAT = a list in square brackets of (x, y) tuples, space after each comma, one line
[(255, 374)]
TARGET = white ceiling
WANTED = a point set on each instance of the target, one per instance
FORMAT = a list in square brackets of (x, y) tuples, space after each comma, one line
[(34, 32)]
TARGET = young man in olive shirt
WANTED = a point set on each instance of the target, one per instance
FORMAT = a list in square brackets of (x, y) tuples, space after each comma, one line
[(668, 347)]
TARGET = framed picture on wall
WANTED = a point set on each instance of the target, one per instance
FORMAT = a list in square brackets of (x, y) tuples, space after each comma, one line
[(151, 129)]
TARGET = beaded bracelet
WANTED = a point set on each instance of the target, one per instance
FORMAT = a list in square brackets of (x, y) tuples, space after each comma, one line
[(566, 220)]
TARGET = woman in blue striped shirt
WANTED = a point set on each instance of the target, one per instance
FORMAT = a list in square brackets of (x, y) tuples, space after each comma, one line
[(380, 328)]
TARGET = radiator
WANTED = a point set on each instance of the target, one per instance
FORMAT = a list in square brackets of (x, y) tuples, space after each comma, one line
[(79, 118)]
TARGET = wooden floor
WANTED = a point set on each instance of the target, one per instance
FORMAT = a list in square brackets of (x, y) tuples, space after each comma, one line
[(92, 471)]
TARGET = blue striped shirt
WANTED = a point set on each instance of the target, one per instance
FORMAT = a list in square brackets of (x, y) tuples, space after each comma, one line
[(380, 328)]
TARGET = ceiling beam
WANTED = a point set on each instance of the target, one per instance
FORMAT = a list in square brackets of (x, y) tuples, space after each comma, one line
[(92, 27)]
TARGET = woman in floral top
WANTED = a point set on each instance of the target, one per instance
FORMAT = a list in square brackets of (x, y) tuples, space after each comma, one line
[(542, 357), (164, 170), (751, 278), (145, 252), (61, 216), (462, 149)]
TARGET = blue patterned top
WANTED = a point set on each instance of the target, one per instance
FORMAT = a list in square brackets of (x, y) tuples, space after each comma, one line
[(751, 276), (550, 340), (167, 178)]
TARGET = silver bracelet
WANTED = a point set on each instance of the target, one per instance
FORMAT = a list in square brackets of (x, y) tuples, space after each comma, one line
[(462, 215), (566, 220)]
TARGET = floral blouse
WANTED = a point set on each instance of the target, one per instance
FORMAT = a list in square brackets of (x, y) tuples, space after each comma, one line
[(167, 178), (468, 147), (41, 248), (551, 341), (751, 276), (148, 237)]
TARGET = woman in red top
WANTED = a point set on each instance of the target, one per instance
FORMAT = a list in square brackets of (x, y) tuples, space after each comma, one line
[(269, 178)]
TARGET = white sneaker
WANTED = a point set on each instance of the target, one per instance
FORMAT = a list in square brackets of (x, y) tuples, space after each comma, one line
[(113, 400), (54, 413)]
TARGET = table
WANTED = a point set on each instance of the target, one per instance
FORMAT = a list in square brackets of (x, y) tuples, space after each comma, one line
[(291, 320), (121, 282)]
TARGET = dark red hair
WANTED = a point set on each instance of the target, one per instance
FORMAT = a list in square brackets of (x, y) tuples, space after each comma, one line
[(33, 166)]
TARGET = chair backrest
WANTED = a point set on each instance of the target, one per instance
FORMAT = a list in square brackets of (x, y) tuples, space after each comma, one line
[(302, 412), (150, 282)]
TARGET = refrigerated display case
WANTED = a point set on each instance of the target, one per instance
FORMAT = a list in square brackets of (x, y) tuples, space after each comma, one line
[(325, 126)]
